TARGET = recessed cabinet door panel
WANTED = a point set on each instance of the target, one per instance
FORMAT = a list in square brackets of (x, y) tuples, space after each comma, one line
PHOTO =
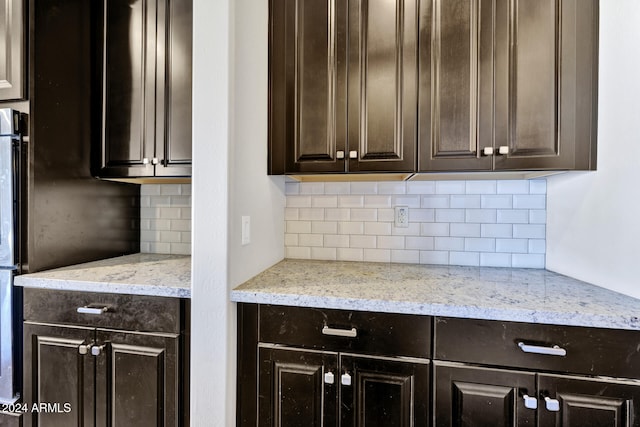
[(293, 389), (12, 73), (583, 402), (141, 370), (456, 84), (482, 397), (384, 392), (308, 84), (383, 84), (58, 376)]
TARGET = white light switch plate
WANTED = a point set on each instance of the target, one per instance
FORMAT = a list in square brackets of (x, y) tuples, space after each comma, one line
[(246, 230)]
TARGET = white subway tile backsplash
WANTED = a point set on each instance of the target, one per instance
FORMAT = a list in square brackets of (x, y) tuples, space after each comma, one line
[(291, 188), (165, 218), (475, 223)]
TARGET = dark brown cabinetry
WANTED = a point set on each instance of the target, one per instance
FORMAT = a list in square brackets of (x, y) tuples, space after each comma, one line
[(331, 367), (343, 86), (146, 71), (508, 85), (123, 366), (12, 53)]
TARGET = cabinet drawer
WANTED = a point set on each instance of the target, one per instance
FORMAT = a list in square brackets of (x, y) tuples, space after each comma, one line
[(375, 333), (128, 312), (590, 351)]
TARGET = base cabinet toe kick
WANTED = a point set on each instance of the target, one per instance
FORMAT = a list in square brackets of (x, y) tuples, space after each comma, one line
[(323, 367)]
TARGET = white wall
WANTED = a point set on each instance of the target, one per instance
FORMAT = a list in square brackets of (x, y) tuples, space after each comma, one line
[(229, 181), (593, 223)]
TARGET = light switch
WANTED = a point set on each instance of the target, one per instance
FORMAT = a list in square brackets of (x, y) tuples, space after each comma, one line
[(246, 230)]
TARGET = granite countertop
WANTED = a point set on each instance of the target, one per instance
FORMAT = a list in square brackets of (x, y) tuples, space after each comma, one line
[(138, 274), (522, 295)]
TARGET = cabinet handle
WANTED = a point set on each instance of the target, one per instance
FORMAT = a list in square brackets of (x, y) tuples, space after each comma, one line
[(97, 349), (503, 149), (340, 154), (154, 161), (487, 151), (351, 333), (353, 154), (552, 405), (84, 348), (329, 378), (87, 309), (145, 161), (530, 402), (552, 351), (345, 379)]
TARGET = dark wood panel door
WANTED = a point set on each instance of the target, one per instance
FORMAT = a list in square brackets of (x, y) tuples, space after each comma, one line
[(456, 85), (173, 91), (467, 396), (307, 86), (574, 401), (383, 392), (383, 67), (59, 374), (12, 50), (137, 379), (297, 388), (546, 84)]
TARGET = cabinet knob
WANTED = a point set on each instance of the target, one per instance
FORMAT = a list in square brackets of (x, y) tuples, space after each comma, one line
[(340, 154), (145, 161), (84, 348), (97, 349), (353, 154), (345, 379), (487, 151), (552, 405), (503, 149), (154, 161), (329, 378), (530, 402)]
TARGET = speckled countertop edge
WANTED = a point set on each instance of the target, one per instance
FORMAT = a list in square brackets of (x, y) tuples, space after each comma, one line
[(137, 274), (521, 295)]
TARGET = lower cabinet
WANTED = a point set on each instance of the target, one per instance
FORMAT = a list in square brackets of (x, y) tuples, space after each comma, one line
[(100, 374)]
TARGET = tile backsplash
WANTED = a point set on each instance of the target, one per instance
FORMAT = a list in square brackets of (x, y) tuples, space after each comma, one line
[(475, 223), (165, 218)]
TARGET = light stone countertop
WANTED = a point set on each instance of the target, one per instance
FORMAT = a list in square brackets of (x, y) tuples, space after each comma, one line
[(521, 295), (138, 274)]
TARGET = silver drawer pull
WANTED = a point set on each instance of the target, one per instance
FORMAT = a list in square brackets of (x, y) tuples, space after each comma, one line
[(351, 333), (552, 351), (87, 309), (552, 405), (530, 402)]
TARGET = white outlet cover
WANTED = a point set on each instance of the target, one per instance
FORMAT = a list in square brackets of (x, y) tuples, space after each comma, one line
[(401, 216)]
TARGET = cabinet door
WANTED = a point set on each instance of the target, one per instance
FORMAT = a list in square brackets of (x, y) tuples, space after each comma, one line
[(12, 48), (307, 86), (57, 376), (456, 85), (294, 390), (584, 402), (137, 379), (483, 397), (383, 71), (129, 88), (383, 392), (546, 80), (173, 91)]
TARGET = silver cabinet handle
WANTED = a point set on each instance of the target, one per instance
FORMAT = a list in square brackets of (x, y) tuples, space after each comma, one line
[(487, 151), (552, 351), (530, 402), (351, 333), (552, 405), (345, 379), (329, 378), (84, 348), (145, 161), (503, 149), (92, 310), (97, 349), (353, 154), (340, 154), (154, 161)]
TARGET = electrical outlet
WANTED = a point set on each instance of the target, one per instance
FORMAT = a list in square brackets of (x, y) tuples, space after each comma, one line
[(246, 230), (402, 216)]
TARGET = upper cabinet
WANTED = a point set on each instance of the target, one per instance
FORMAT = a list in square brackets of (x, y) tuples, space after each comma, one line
[(146, 89), (343, 86), (12, 50), (432, 85)]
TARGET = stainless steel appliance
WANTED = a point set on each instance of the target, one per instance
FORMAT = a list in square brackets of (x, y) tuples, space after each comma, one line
[(10, 142)]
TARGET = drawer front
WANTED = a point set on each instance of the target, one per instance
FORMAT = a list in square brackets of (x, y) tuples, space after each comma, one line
[(375, 333), (126, 312), (589, 351)]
